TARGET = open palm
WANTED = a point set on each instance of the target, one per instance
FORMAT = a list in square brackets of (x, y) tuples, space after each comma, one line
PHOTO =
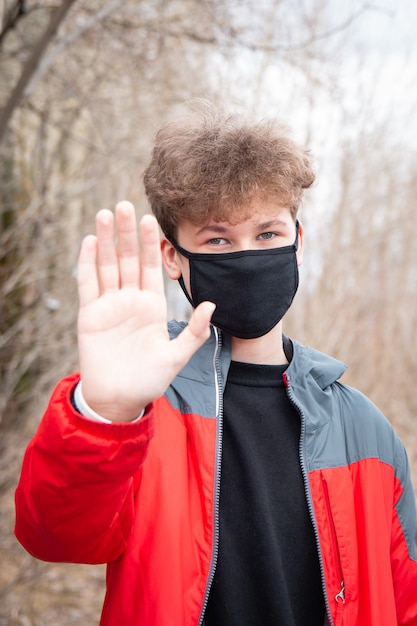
[(126, 357)]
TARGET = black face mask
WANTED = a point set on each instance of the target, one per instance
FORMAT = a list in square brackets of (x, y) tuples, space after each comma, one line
[(252, 289)]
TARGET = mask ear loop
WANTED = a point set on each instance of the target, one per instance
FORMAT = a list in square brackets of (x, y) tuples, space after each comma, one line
[(184, 288), (181, 279), (297, 229), (178, 248)]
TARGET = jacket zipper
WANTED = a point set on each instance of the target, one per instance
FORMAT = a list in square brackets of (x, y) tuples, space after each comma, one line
[(308, 496), (340, 596), (219, 442)]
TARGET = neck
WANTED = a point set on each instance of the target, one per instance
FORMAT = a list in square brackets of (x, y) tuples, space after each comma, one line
[(266, 350)]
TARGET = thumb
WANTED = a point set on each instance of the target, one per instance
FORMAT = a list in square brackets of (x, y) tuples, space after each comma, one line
[(195, 333)]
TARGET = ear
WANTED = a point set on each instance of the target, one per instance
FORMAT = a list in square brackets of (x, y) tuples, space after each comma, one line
[(300, 250), (170, 259)]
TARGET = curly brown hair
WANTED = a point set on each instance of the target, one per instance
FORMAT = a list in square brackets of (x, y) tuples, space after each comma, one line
[(209, 164)]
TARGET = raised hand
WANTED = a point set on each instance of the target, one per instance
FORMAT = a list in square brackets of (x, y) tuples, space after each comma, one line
[(126, 357)]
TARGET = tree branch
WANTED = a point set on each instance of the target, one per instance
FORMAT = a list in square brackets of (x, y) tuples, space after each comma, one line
[(32, 64), (15, 13)]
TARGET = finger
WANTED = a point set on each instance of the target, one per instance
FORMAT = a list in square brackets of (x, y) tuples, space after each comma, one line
[(87, 279), (107, 263), (195, 333), (151, 276), (127, 244)]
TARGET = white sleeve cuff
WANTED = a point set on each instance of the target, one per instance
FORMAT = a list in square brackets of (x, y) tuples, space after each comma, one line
[(85, 410)]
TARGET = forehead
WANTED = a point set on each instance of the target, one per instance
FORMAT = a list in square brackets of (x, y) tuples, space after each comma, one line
[(247, 218)]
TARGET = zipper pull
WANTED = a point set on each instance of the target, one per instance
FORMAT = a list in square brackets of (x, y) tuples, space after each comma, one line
[(340, 597)]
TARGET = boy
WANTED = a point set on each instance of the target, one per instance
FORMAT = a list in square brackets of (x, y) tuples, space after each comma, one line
[(221, 471)]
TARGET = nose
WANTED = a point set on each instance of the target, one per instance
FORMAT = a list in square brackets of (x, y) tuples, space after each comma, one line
[(243, 243)]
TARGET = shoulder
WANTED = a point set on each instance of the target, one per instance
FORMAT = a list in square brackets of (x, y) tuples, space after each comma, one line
[(345, 424), (359, 412)]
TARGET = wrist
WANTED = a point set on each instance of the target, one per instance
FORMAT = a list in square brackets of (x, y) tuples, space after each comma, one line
[(101, 413)]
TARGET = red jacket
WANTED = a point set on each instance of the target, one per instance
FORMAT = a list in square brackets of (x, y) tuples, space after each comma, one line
[(143, 497)]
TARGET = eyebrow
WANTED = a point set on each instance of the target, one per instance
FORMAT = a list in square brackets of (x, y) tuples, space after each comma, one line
[(212, 228), (270, 223), (217, 228)]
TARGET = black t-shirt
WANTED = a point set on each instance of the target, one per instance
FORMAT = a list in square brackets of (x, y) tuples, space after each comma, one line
[(268, 570)]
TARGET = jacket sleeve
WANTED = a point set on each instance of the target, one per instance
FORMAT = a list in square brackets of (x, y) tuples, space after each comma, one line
[(404, 543), (75, 497)]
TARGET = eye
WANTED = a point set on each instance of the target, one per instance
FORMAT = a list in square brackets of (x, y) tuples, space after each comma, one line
[(217, 241), (266, 236)]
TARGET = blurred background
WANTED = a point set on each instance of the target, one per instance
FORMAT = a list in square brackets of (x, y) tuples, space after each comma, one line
[(84, 85)]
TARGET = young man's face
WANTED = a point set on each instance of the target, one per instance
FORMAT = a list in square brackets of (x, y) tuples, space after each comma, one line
[(270, 226)]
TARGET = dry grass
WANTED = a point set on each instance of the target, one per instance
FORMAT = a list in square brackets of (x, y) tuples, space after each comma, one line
[(34, 593)]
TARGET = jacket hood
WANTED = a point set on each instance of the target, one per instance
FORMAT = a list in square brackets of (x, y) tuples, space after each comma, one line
[(311, 377), (324, 369)]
